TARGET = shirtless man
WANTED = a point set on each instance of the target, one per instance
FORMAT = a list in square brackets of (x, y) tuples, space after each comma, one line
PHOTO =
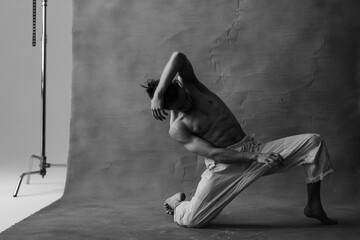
[(204, 125)]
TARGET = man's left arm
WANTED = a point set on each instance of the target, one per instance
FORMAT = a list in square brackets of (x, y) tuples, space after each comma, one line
[(201, 147)]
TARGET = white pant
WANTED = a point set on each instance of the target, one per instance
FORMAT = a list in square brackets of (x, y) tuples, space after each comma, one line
[(221, 183)]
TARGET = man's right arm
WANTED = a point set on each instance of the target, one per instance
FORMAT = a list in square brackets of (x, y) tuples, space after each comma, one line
[(172, 67)]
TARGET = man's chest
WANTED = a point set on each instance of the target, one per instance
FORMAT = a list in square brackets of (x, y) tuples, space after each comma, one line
[(202, 119)]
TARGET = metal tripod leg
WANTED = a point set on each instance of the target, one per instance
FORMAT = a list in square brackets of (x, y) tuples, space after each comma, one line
[(43, 165), (20, 180)]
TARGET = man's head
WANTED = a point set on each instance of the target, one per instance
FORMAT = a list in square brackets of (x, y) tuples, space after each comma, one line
[(175, 98)]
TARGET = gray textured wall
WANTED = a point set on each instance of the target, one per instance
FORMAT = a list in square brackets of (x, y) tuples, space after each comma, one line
[(284, 67)]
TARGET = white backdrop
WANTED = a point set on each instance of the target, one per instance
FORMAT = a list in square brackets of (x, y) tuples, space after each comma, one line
[(20, 74)]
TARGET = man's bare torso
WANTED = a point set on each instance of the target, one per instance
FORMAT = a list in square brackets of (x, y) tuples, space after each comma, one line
[(209, 119)]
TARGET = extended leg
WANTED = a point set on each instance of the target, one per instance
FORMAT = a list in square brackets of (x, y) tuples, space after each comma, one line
[(308, 150), (314, 207)]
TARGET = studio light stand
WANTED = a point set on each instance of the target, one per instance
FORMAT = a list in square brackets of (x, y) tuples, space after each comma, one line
[(43, 163)]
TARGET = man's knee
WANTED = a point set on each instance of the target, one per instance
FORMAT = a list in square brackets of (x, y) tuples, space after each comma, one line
[(315, 139), (192, 223)]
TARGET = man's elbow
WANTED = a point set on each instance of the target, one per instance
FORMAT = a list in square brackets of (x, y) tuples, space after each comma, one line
[(212, 154), (215, 155), (178, 55)]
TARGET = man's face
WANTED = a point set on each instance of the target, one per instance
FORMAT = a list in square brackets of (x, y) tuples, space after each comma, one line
[(183, 103)]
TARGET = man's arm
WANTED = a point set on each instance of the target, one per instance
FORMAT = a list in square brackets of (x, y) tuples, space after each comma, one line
[(177, 64), (172, 67), (201, 147)]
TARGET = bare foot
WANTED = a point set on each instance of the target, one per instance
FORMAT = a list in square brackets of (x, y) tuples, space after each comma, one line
[(173, 201), (319, 213)]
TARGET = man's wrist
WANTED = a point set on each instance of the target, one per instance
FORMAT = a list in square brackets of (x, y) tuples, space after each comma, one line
[(158, 94), (252, 157), (247, 156)]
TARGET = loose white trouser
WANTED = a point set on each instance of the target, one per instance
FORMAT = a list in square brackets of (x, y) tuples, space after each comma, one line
[(221, 183)]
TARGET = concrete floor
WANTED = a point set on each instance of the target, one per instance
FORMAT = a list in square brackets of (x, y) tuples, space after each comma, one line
[(31, 197), (146, 220), (247, 217)]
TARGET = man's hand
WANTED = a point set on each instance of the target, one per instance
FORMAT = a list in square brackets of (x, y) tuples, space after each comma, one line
[(157, 107), (270, 159)]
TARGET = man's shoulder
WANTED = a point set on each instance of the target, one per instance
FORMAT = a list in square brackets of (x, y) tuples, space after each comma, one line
[(179, 131), (176, 127)]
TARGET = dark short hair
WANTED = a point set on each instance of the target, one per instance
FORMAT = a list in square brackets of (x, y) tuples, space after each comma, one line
[(170, 95)]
